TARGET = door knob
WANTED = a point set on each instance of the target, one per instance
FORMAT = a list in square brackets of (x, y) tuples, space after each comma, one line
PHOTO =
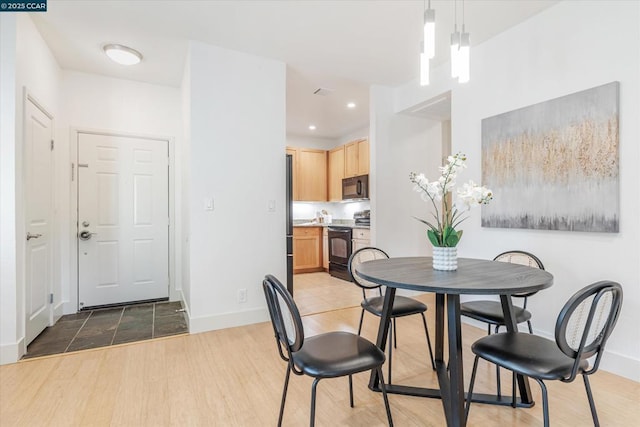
[(85, 235), (33, 236)]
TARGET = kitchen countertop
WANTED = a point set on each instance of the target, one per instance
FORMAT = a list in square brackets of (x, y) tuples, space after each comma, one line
[(324, 224)]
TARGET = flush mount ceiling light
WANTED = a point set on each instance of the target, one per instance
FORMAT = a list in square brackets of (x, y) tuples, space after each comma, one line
[(351, 105), (122, 54), (312, 127)]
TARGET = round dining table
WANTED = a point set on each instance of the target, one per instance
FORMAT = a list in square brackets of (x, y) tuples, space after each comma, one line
[(473, 277)]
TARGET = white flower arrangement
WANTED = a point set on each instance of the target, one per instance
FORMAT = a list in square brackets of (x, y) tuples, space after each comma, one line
[(443, 233)]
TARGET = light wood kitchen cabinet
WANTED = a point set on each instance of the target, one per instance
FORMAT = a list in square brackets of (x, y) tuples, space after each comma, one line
[(363, 157), (360, 238), (356, 158), (310, 174), (307, 249), (336, 173), (325, 249)]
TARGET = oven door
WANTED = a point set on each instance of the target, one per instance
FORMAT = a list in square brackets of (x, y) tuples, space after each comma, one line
[(339, 252), (339, 245)]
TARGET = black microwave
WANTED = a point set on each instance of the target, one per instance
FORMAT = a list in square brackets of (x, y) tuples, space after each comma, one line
[(356, 187)]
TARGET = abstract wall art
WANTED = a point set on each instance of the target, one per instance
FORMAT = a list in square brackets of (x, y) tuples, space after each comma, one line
[(554, 165)]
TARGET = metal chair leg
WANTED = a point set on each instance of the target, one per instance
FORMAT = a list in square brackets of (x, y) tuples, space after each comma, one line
[(313, 402), (391, 333), (545, 402), (513, 389), (395, 334), (592, 403), (498, 385), (284, 396), (350, 391), (360, 324), (470, 393), (529, 325), (426, 330), (384, 396)]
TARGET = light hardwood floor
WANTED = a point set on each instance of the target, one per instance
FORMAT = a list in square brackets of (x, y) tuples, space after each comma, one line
[(319, 292), (234, 377)]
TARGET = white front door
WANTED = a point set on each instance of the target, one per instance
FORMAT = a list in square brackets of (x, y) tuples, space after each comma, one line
[(38, 166), (123, 219)]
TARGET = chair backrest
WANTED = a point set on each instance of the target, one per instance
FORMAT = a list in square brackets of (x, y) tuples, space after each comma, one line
[(360, 256), (586, 321), (285, 317), (522, 258)]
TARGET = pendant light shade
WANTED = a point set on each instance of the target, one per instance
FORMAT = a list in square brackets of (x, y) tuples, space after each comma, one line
[(463, 58), (429, 33)]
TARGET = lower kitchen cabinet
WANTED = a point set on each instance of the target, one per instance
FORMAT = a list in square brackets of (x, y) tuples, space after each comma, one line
[(360, 238), (307, 249)]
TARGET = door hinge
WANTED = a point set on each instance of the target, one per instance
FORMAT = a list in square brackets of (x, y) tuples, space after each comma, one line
[(50, 298), (73, 172), (52, 143)]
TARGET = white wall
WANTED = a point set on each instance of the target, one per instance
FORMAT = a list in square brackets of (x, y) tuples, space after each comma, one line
[(237, 158), (9, 348), (37, 71), (352, 136), (567, 48), (416, 147), (185, 177)]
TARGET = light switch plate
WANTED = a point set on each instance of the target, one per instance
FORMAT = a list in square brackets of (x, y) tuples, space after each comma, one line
[(208, 203), (271, 207)]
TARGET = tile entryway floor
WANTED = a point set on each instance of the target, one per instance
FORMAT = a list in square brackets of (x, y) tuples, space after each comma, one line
[(109, 326)]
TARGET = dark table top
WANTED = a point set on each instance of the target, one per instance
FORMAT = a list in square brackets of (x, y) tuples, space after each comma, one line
[(473, 276)]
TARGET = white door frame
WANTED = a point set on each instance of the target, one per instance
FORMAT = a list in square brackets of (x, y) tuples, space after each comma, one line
[(73, 301)]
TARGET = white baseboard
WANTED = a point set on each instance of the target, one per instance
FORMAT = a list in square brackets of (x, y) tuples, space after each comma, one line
[(227, 320), (11, 353), (612, 362)]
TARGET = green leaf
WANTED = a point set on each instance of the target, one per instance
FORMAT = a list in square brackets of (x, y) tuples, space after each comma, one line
[(450, 237), (433, 238)]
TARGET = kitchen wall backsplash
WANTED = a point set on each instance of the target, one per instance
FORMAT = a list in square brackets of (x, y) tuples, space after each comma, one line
[(337, 210)]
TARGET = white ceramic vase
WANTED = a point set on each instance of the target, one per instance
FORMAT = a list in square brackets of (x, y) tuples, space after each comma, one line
[(445, 258)]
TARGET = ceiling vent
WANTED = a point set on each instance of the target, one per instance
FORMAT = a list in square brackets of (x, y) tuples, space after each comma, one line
[(323, 91)]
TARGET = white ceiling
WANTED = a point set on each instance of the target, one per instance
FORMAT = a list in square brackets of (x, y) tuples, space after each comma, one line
[(344, 45)]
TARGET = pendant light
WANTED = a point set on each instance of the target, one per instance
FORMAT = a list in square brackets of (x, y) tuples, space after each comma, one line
[(455, 42), (463, 54), (428, 49), (429, 31)]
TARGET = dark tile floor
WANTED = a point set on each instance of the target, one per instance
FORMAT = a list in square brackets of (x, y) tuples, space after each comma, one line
[(108, 326)]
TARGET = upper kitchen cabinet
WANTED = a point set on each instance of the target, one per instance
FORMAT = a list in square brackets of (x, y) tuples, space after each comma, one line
[(309, 175), (356, 158), (336, 173)]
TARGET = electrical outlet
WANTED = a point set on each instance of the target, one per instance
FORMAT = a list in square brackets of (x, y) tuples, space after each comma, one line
[(242, 295)]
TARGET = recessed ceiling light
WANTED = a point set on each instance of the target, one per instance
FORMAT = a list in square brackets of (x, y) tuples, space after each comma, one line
[(351, 105), (122, 54), (312, 127)]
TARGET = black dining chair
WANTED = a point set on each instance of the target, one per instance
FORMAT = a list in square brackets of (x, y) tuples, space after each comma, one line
[(328, 355), (402, 306), (490, 312), (582, 329)]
